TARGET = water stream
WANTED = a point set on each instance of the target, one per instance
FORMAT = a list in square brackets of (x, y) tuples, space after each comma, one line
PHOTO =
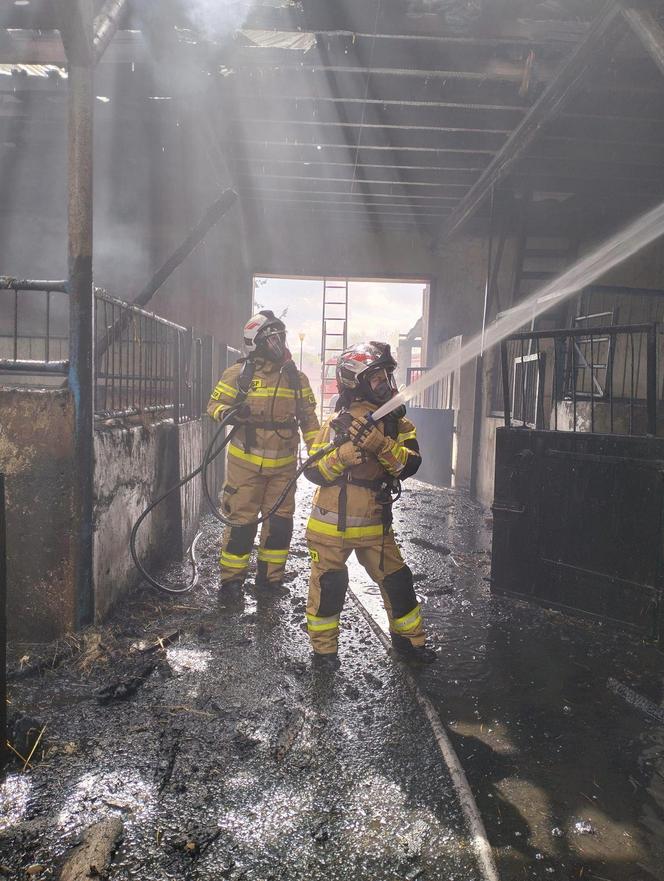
[(587, 269)]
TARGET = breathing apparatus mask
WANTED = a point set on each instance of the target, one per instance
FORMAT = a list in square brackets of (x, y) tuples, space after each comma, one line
[(271, 344), (378, 386)]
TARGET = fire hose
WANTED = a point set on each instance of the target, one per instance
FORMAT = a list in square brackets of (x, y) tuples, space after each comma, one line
[(210, 455)]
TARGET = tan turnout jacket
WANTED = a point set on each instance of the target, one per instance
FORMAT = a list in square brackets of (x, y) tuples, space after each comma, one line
[(364, 513), (268, 441)]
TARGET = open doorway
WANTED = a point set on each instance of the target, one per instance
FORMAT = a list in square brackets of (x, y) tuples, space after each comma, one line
[(324, 315)]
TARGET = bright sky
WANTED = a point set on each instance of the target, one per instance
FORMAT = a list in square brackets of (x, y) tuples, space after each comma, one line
[(377, 310)]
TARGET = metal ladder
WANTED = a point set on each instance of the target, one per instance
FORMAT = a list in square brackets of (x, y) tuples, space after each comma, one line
[(334, 338)]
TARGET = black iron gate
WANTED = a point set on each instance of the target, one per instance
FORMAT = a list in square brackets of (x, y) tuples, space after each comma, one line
[(579, 514), (579, 523)]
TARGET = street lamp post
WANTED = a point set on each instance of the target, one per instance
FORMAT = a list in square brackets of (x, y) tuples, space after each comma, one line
[(301, 336)]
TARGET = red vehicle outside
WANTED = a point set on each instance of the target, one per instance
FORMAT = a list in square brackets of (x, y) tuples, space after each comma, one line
[(329, 391)]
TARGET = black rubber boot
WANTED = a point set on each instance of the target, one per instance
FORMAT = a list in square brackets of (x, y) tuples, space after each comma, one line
[(271, 588), (413, 654), (327, 662), (231, 589)]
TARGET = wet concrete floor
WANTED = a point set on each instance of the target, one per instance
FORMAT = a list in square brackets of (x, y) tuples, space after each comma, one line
[(232, 759)]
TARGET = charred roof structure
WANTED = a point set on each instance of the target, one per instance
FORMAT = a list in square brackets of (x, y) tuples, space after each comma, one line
[(394, 114)]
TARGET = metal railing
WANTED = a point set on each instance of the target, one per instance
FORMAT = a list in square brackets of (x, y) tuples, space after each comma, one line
[(594, 379), (438, 396), (137, 358), (145, 365), (33, 329)]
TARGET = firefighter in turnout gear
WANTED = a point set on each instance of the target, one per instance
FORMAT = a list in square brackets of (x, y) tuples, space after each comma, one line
[(352, 507), (276, 402)]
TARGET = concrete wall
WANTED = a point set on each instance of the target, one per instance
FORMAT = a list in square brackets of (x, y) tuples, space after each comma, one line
[(36, 436), (133, 467), (190, 446)]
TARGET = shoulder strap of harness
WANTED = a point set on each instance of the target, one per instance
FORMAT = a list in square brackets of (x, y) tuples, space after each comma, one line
[(293, 375), (244, 379)]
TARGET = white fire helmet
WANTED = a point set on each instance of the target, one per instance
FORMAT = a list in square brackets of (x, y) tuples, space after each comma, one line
[(356, 364), (265, 335)]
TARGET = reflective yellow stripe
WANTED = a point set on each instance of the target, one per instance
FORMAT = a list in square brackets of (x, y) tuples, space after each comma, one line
[(263, 461), (317, 624), (410, 621), (217, 411), (333, 463), (331, 472), (401, 454), (326, 474), (234, 561), (393, 460), (316, 448), (269, 555), (350, 532), (272, 392), (227, 390), (308, 435), (408, 435)]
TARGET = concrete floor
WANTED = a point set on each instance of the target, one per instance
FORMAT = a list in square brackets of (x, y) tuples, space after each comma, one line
[(274, 772)]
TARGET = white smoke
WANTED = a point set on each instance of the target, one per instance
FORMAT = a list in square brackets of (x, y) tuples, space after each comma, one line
[(217, 18)]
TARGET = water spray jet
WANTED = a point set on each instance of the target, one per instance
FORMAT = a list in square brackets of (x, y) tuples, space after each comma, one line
[(610, 253)]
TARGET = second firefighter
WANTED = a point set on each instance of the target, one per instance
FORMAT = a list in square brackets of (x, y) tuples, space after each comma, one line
[(276, 403)]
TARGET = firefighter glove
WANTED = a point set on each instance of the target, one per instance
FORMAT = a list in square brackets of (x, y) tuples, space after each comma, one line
[(349, 455), (366, 436)]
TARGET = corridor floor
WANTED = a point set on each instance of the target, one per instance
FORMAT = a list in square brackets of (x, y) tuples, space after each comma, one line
[(226, 756)]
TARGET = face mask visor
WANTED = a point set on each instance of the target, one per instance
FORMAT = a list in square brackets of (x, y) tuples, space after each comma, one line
[(381, 386), (273, 344)]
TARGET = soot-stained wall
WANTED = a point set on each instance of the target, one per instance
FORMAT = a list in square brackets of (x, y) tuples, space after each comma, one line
[(36, 457), (133, 467)]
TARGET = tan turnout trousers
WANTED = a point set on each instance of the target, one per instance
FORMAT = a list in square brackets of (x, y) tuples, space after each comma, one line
[(247, 494), (329, 582)]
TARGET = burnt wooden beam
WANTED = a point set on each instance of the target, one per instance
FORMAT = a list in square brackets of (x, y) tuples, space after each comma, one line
[(364, 197), (375, 112), (106, 25), (516, 39), (360, 18), (369, 209), (602, 37), (397, 188), (649, 31)]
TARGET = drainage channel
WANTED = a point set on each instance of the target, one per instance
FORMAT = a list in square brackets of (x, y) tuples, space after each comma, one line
[(483, 852)]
